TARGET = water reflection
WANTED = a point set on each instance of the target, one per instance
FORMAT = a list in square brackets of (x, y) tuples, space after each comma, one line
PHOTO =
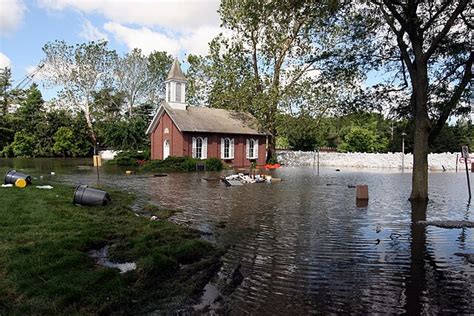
[(305, 247)]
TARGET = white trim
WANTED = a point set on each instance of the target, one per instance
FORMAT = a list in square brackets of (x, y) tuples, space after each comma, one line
[(193, 154), (254, 154), (204, 148)]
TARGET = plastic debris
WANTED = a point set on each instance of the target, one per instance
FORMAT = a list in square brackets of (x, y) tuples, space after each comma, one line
[(7, 185), (154, 218), (46, 187), (53, 173)]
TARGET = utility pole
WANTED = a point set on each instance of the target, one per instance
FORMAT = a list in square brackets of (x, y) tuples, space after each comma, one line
[(403, 151)]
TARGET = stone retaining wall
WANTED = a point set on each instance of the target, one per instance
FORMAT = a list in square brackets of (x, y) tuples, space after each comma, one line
[(365, 160)]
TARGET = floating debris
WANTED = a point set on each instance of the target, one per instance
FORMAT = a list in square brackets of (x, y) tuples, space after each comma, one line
[(240, 178), (448, 224), (45, 187)]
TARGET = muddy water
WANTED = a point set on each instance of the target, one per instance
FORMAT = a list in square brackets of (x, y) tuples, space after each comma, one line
[(304, 246)]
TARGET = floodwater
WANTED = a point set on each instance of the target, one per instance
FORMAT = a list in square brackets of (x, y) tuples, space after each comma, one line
[(303, 244)]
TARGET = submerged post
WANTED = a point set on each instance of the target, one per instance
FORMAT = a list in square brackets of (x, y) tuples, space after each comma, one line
[(465, 155), (97, 161)]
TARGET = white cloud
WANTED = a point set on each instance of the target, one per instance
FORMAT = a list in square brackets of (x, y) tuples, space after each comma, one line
[(147, 40), (5, 61), (143, 38), (177, 15), (11, 15), (91, 33)]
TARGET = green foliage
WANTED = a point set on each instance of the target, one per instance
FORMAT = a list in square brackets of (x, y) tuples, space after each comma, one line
[(129, 158), (23, 144), (360, 139), (172, 164), (46, 238), (300, 131), (213, 164), (64, 142)]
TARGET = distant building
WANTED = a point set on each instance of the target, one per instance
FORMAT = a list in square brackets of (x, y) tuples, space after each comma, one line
[(179, 129)]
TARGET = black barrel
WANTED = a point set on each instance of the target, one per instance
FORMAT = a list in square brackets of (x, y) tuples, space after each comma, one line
[(87, 196), (11, 177)]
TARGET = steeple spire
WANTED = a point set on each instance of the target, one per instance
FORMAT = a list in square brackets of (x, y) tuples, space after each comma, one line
[(176, 87), (176, 72)]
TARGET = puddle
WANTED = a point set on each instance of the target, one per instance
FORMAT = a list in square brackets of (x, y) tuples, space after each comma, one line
[(102, 259), (209, 299)]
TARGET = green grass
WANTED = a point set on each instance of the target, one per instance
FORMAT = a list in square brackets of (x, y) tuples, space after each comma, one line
[(45, 268)]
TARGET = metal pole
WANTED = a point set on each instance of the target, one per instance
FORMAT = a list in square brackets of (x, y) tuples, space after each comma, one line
[(318, 160), (457, 161), (403, 151), (97, 162), (468, 181)]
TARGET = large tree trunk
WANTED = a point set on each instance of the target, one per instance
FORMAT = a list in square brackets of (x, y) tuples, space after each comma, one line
[(422, 131)]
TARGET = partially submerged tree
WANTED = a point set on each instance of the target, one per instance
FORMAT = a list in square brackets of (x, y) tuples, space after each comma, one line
[(429, 41), (80, 71)]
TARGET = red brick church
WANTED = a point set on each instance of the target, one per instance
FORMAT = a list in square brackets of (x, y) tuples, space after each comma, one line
[(179, 129)]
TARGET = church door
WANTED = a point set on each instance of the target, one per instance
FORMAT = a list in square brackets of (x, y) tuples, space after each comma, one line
[(166, 149)]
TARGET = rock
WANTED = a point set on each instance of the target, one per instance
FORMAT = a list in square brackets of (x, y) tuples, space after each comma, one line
[(469, 256)]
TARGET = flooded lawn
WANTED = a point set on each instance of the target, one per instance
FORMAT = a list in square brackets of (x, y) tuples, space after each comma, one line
[(304, 246)]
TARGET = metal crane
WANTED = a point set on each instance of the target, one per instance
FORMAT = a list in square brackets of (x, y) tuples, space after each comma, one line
[(28, 78)]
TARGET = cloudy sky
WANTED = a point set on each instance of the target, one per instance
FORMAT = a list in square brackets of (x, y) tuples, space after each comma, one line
[(178, 27)]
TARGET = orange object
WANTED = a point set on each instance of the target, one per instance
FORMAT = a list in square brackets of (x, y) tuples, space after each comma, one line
[(272, 166)]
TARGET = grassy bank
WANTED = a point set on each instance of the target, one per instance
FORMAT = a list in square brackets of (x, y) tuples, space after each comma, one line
[(45, 267)]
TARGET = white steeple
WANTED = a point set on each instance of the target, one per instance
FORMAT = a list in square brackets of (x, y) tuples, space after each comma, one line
[(176, 87)]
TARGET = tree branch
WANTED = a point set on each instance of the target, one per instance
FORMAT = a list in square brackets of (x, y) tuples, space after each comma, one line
[(435, 16), (434, 44), (453, 101)]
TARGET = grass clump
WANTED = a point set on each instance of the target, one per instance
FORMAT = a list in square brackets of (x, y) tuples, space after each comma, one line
[(45, 267)]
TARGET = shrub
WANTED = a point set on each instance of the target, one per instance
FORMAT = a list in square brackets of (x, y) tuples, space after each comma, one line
[(128, 158), (171, 164), (213, 164)]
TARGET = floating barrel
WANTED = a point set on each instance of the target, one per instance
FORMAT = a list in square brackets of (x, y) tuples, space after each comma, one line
[(11, 177), (84, 195)]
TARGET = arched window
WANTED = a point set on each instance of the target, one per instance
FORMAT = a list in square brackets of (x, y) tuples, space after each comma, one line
[(200, 147), (178, 92), (252, 148), (227, 148), (166, 130)]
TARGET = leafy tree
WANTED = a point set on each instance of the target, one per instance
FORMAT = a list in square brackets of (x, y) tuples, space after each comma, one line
[(64, 142), (80, 70), (24, 144), (276, 46), (424, 47), (141, 78), (31, 110), (360, 139)]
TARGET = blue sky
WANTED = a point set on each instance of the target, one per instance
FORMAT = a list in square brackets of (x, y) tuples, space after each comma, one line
[(178, 27)]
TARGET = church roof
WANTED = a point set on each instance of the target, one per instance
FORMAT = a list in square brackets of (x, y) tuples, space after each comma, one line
[(175, 71), (208, 120)]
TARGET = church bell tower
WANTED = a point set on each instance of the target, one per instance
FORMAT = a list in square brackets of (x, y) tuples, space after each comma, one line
[(176, 87)]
